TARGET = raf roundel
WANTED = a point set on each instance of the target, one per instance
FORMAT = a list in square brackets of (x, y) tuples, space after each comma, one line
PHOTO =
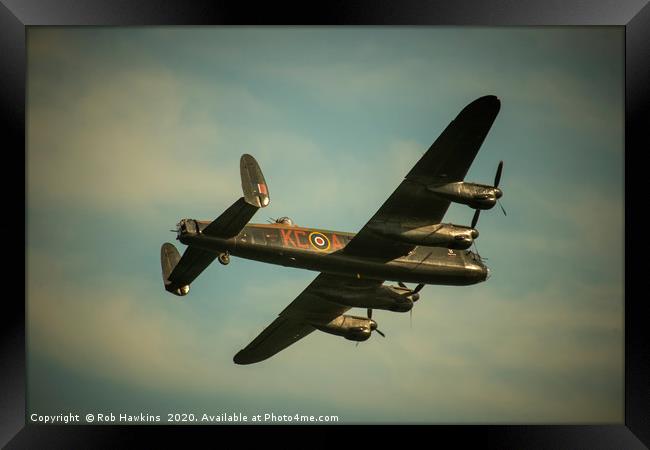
[(319, 241)]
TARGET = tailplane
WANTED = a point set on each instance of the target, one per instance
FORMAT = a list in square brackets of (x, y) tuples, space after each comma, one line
[(178, 272)]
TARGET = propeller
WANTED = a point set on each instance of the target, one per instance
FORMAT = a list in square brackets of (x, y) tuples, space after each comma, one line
[(497, 180), (475, 218), (502, 208), (374, 323), (497, 177), (414, 292), (414, 296), (477, 252)]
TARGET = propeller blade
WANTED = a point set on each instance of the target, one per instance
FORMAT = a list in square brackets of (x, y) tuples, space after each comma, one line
[(497, 177), (502, 209), (415, 296), (369, 313), (356, 345), (475, 218), (382, 334), (401, 284)]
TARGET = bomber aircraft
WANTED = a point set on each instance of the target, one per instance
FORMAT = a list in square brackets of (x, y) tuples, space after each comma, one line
[(405, 241)]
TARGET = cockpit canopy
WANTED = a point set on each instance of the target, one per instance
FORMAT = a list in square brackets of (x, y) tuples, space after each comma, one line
[(284, 220)]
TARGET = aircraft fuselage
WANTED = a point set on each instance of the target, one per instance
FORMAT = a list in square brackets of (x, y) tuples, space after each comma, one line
[(321, 250)]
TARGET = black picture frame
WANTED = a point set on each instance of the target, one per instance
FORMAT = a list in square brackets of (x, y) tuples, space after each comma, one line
[(634, 15)]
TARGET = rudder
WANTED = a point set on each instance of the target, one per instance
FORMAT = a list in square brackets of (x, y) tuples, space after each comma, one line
[(256, 191), (169, 257)]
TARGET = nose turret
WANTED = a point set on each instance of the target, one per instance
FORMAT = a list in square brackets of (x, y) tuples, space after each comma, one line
[(476, 270), (484, 271)]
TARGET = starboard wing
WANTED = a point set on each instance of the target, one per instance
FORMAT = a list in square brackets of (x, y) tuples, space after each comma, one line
[(447, 160)]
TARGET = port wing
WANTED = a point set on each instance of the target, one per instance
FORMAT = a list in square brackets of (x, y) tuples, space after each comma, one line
[(295, 321)]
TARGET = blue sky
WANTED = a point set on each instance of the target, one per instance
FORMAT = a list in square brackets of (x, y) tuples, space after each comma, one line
[(130, 129)]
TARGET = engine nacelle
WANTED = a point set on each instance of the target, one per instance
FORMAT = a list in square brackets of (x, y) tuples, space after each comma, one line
[(448, 235), (352, 328), (477, 196), (390, 298)]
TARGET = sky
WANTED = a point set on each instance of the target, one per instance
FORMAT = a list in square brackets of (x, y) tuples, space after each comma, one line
[(131, 129)]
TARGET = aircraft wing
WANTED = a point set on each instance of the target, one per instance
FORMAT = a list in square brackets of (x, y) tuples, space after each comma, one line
[(294, 322), (447, 160)]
